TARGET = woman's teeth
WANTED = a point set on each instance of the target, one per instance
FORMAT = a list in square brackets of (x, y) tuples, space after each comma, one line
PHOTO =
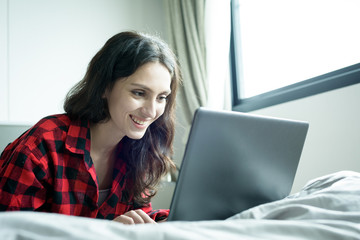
[(137, 120)]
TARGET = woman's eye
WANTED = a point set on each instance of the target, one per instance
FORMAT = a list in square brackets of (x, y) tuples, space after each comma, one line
[(163, 98), (138, 93)]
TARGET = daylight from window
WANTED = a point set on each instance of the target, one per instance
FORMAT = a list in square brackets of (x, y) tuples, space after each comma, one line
[(282, 42)]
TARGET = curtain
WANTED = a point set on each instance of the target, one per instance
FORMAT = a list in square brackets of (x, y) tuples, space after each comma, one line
[(199, 33), (186, 20)]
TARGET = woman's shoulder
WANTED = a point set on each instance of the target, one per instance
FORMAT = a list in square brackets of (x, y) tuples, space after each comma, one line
[(50, 127), (52, 122)]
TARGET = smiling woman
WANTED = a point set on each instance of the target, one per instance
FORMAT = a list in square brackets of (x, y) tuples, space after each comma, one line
[(145, 93), (115, 139)]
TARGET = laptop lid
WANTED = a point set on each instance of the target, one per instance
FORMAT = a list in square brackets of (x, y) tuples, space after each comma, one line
[(234, 161)]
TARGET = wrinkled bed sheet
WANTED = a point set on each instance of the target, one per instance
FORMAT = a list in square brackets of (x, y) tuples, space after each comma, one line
[(326, 208)]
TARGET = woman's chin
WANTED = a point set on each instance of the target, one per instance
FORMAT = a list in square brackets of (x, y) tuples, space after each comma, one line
[(136, 136)]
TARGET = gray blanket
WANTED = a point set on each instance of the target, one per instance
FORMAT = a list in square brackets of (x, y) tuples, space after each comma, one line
[(326, 208)]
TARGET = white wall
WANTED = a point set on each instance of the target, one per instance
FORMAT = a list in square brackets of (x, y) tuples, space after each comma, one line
[(333, 138), (3, 60), (46, 46)]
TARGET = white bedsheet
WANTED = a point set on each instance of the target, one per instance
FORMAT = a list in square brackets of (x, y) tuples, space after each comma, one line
[(326, 208)]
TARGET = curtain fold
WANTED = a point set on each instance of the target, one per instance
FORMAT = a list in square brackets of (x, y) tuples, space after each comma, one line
[(187, 38)]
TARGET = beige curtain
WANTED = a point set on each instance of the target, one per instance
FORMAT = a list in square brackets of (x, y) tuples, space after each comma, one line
[(187, 38), (199, 33)]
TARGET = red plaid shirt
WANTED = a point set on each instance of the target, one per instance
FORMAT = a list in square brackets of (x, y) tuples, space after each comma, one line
[(49, 169)]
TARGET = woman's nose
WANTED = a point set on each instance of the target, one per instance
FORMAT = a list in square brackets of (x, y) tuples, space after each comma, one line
[(149, 109)]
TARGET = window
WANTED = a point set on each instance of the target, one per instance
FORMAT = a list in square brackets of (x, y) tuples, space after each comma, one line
[(284, 50)]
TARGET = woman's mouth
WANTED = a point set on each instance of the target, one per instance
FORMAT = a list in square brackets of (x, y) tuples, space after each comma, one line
[(137, 120)]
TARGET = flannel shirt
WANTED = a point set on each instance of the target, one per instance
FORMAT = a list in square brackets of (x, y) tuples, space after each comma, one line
[(49, 169)]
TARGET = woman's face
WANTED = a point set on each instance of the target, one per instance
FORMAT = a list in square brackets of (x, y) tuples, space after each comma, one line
[(138, 100)]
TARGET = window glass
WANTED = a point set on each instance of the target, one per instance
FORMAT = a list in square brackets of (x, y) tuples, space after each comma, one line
[(281, 42)]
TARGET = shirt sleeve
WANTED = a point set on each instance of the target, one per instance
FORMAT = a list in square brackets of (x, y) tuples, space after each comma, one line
[(156, 215), (159, 215), (21, 181)]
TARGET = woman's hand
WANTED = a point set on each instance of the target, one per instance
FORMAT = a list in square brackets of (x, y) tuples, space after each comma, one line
[(137, 216)]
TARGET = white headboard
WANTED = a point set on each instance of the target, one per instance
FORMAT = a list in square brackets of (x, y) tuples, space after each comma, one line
[(9, 132)]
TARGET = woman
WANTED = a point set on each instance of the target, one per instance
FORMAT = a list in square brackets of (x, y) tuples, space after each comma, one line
[(104, 157)]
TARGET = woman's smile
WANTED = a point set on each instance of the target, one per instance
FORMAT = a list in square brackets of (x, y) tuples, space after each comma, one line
[(138, 122)]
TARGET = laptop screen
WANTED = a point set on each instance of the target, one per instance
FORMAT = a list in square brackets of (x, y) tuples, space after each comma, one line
[(234, 161)]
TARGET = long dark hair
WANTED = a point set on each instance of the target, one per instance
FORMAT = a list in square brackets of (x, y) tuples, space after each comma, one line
[(148, 158)]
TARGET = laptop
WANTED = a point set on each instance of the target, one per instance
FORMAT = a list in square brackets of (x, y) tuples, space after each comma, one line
[(234, 161)]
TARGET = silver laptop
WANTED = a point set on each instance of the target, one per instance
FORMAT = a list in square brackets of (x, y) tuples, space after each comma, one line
[(234, 161)]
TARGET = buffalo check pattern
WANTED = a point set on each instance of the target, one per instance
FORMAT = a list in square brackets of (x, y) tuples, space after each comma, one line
[(49, 169)]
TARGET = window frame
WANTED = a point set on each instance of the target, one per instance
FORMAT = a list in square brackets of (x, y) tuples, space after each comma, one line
[(326, 82)]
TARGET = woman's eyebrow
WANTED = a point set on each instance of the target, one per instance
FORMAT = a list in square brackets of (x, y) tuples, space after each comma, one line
[(148, 89)]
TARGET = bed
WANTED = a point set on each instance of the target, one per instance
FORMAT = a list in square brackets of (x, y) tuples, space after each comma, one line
[(327, 207)]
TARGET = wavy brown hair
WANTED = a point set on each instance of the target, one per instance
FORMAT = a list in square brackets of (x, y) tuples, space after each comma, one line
[(148, 158)]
